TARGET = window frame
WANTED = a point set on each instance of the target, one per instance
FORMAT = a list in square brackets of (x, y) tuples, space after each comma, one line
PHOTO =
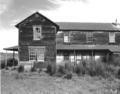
[(89, 37), (37, 34), (112, 35), (33, 51)]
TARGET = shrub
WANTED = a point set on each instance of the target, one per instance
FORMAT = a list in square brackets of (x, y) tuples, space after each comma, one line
[(33, 69), (2, 64), (68, 66), (51, 69), (21, 68), (115, 60), (12, 62), (95, 69), (61, 69), (80, 68), (68, 76), (118, 73), (100, 69), (64, 71)]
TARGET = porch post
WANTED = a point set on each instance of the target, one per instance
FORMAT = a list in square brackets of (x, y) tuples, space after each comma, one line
[(6, 60), (107, 57), (93, 56), (81, 56), (74, 60), (14, 58)]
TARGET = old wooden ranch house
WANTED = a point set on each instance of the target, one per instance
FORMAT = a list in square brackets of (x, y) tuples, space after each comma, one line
[(43, 40)]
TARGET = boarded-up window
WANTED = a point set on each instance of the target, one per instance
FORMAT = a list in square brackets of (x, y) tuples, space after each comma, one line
[(111, 37), (36, 53), (37, 32)]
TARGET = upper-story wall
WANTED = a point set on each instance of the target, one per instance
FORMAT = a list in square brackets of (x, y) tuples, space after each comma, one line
[(88, 37), (36, 30)]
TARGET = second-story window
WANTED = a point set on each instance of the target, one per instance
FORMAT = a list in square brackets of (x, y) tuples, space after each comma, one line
[(112, 37), (89, 37), (66, 37), (37, 32)]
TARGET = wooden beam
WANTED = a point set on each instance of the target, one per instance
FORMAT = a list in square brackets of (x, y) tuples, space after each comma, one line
[(74, 60), (93, 56), (6, 59), (13, 58), (107, 57)]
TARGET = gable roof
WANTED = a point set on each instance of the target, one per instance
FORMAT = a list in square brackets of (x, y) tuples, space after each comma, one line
[(87, 26), (17, 25)]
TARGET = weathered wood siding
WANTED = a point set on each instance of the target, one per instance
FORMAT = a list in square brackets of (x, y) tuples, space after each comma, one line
[(101, 38), (117, 38), (80, 37), (48, 40)]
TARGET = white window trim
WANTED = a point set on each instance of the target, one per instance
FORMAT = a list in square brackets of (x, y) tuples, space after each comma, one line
[(36, 34), (36, 47), (88, 36), (111, 37), (66, 38)]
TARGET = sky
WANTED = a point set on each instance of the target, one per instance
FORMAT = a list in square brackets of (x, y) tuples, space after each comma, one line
[(14, 11)]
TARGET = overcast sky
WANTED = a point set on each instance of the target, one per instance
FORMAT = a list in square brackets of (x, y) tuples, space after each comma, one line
[(14, 11)]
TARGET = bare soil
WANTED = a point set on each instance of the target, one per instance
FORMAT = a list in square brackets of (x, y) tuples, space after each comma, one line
[(42, 83)]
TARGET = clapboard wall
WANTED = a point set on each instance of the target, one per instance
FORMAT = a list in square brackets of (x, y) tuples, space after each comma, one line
[(26, 37)]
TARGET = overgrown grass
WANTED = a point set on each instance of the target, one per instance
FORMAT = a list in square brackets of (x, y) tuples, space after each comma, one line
[(102, 69)]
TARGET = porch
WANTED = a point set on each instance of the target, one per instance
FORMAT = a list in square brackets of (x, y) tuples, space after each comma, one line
[(78, 56), (84, 53)]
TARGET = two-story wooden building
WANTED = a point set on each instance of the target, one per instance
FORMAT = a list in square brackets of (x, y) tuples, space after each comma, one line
[(43, 40)]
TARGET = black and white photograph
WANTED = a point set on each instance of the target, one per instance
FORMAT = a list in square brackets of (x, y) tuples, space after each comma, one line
[(59, 47)]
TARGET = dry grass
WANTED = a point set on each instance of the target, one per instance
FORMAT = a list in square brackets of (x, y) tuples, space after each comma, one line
[(35, 83)]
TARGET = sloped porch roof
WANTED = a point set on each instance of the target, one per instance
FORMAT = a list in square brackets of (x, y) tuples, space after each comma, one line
[(13, 48), (111, 48)]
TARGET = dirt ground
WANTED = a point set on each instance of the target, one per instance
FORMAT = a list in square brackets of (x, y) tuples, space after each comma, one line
[(42, 83)]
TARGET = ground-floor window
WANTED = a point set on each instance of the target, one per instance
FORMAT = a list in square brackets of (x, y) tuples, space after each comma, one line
[(97, 57), (87, 57), (77, 57), (36, 53), (72, 58), (59, 58)]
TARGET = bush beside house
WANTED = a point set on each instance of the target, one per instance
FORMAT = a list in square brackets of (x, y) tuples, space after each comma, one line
[(10, 63)]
